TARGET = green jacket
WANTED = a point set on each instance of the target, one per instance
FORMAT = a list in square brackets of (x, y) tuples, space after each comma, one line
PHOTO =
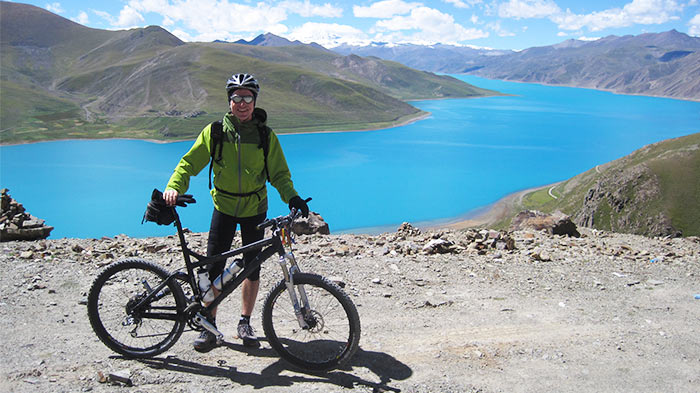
[(240, 171)]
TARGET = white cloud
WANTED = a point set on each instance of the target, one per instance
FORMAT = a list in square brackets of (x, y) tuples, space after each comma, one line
[(183, 35), (425, 25), (82, 18), (384, 9), (644, 12), (329, 35), (306, 9), (499, 30), (463, 4), (525, 9), (212, 19), (584, 38), (694, 24), (129, 17), (55, 8)]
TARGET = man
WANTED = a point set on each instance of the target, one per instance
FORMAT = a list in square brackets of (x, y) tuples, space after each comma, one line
[(241, 170)]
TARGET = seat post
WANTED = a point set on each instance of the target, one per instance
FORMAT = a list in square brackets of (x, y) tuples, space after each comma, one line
[(183, 241)]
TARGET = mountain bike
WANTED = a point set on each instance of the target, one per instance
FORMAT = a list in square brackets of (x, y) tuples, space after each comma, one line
[(140, 310)]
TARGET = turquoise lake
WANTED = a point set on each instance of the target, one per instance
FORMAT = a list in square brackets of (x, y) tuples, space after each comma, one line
[(468, 154)]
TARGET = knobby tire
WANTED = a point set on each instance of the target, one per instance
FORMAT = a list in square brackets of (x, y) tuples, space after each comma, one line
[(335, 335), (135, 335)]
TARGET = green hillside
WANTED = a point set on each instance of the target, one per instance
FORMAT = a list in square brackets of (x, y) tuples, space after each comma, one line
[(391, 77), (61, 80), (654, 191)]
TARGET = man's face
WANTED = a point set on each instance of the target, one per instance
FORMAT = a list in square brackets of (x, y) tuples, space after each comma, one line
[(242, 110)]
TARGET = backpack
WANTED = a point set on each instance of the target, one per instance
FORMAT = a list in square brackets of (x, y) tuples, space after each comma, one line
[(217, 142)]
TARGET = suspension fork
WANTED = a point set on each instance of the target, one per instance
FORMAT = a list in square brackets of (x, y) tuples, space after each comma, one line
[(301, 302)]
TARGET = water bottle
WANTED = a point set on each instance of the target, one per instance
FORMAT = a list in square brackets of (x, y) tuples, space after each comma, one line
[(205, 285), (229, 273)]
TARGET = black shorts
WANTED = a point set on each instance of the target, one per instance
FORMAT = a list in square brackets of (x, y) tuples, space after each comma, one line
[(221, 232)]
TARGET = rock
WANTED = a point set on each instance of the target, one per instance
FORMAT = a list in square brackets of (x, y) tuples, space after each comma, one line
[(438, 246), (121, 376), (557, 223), (407, 229), (15, 224), (311, 225)]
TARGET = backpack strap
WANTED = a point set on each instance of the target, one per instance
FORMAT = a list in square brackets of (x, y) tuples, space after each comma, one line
[(264, 134), (216, 143)]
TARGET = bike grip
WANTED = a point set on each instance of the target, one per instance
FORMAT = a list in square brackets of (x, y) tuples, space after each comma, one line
[(263, 224)]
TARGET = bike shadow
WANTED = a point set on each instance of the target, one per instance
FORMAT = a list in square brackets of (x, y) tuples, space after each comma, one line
[(384, 366)]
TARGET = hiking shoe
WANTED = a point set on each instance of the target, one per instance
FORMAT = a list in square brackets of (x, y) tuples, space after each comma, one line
[(205, 342), (247, 334)]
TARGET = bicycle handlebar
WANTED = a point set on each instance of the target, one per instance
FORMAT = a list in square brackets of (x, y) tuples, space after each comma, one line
[(279, 221), (282, 220)]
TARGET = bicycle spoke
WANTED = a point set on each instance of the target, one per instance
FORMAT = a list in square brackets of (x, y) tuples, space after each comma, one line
[(150, 328), (332, 333)]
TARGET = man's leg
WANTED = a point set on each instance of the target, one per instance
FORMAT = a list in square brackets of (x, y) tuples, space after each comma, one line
[(249, 294), (251, 285), (221, 232)]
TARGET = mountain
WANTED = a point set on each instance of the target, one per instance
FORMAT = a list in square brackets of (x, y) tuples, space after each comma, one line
[(61, 80), (435, 58), (655, 191), (660, 64), (270, 39)]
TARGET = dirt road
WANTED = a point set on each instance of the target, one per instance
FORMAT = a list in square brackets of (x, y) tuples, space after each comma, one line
[(601, 313)]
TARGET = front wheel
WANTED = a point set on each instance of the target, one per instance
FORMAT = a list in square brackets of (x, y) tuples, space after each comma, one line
[(143, 331), (332, 332)]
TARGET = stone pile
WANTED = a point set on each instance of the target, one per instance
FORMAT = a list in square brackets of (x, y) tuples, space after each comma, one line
[(17, 224), (557, 223)]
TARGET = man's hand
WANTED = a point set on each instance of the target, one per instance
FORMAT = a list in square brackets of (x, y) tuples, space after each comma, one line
[(170, 197), (299, 204)]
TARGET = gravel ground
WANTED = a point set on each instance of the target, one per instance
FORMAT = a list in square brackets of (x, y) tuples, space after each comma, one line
[(441, 311)]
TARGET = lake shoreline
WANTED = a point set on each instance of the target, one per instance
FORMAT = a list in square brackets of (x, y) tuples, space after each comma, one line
[(401, 123), (481, 217), (589, 88)]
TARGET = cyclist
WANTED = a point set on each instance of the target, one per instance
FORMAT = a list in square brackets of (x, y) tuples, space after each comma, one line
[(239, 193)]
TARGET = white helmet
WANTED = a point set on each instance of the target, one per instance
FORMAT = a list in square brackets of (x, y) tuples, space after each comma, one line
[(242, 81)]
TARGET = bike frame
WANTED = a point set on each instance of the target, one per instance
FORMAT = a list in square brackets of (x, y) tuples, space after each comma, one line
[(268, 246)]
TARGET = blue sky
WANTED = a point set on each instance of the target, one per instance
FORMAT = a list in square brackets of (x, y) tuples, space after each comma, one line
[(500, 24)]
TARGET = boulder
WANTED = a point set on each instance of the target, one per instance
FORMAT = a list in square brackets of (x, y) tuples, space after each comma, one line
[(556, 223), (311, 225)]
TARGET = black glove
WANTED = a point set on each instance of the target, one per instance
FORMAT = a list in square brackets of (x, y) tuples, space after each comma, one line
[(299, 204)]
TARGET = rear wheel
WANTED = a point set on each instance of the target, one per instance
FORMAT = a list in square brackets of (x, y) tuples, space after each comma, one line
[(140, 332), (333, 332)]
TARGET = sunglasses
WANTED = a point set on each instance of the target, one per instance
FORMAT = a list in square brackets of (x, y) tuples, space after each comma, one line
[(238, 99)]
